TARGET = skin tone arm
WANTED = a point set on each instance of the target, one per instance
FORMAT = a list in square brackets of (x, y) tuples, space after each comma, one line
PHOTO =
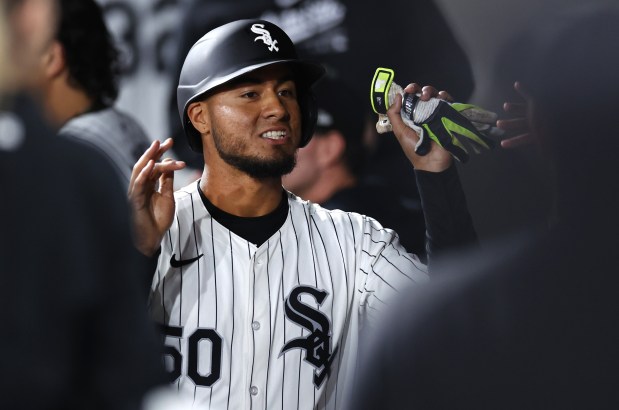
[(151, 195)]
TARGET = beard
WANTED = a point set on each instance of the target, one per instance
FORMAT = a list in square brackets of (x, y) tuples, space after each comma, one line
[(254, 166)]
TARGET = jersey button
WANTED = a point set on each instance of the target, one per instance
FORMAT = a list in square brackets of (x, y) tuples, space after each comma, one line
[(255, 325), (259, 261), (253, 390)]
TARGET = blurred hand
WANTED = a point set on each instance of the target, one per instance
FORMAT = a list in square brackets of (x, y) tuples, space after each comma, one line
[(518, 125)]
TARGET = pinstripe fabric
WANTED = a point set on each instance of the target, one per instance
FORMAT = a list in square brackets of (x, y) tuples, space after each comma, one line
[(243, 333)]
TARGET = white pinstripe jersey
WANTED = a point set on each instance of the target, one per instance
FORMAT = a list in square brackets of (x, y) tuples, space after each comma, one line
[(274, 326)]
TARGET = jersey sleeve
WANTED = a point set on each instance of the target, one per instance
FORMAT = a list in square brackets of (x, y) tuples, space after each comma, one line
[(448, 222), (385, 270)]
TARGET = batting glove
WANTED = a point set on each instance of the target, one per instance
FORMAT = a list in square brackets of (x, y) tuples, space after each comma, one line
[(453, 126)]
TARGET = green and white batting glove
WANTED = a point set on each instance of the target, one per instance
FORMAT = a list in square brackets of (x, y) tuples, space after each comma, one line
[(456, 127)]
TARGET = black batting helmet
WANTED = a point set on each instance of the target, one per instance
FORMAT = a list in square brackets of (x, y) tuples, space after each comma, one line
[(237, 48)]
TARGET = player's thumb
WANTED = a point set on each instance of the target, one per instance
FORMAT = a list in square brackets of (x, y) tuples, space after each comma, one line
[(400, 129), (394, 112)]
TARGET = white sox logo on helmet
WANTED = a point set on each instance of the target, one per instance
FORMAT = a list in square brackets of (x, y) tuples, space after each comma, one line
[(265, 36)]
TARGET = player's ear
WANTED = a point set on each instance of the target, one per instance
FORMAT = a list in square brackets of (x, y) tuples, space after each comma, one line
[(198, 115), (54, 60), (331, 147)]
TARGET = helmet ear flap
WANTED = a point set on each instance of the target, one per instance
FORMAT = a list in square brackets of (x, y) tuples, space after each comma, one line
[(309, 110)]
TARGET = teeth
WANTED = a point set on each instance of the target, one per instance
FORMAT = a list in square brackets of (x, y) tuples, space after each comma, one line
[(274, 135)]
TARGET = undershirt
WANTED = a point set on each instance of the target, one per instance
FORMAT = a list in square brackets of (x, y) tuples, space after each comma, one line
[(256, 230)]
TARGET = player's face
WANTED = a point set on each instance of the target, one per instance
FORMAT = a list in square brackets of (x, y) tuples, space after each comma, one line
[(255, 122)]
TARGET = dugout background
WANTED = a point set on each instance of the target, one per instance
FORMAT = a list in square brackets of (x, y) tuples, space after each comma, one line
[(504, 188)]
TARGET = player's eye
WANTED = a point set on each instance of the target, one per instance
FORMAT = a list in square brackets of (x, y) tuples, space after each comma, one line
[(249, 94), (287, 92)]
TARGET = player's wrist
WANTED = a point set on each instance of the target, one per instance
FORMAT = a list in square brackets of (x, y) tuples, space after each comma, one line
[(433, 165), (147, 247)]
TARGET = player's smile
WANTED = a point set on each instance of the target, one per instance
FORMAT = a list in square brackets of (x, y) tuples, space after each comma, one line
[(276, 136)]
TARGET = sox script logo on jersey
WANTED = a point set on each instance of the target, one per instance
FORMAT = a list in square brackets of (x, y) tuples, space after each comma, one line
[(317, 344), (274, 326)]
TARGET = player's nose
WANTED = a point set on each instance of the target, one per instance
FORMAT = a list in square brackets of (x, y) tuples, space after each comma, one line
[(273, 105)]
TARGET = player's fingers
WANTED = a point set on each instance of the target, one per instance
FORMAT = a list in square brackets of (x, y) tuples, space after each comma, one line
[(428, 92), (145, 176), (168, 165), (137, 192), (515, 108), (521, 89), (444, 95), (166, 184), (413, 88), (517, 141), (164, 147), (399, 127), (149, 155), (166, 180), (513, 124)]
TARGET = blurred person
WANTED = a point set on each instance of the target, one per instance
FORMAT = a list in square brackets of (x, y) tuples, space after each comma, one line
[(81, 71), (75, 331), (24, 41), (263, 295), (331, 169), (532, 322)]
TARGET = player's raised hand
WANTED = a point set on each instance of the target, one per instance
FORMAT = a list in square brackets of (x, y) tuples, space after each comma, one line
[(437, 159), (151, 195)]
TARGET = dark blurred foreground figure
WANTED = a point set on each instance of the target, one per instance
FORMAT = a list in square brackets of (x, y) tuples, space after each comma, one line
[(75, 333), (534, 323)]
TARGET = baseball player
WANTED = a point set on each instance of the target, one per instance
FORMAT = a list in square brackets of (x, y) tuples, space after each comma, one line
[(262, 296)]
